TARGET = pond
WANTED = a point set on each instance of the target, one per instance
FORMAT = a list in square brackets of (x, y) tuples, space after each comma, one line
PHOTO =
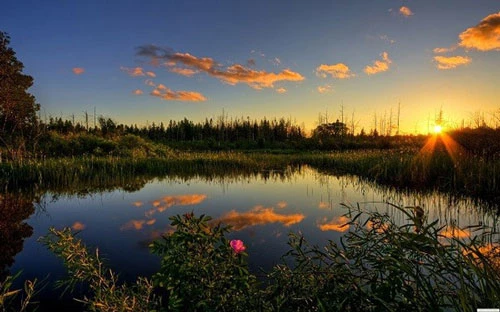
[(262, 208)]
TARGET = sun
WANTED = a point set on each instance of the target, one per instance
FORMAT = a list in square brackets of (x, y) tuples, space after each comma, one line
[(438, 129)]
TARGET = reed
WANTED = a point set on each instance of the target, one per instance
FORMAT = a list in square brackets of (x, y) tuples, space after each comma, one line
[(464, 175)]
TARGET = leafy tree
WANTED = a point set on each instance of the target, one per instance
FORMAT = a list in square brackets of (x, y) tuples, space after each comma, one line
[(18, 119)]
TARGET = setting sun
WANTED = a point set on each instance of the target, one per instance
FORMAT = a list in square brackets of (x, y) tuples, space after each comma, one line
[(438, 129)]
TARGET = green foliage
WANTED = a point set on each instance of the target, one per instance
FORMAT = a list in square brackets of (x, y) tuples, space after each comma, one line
[(462, 175), (199, 270), (8, 297), (382, 266), (18, 119), (106, 294)]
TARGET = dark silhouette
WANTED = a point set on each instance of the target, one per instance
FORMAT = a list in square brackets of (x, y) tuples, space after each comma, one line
[(18, 119), (13, 229)]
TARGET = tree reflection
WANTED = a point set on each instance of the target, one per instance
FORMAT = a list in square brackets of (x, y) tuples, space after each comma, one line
[(14, 210)]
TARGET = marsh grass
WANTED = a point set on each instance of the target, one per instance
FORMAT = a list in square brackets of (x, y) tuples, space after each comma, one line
[(463, 175), (19, 300), (105, 292)]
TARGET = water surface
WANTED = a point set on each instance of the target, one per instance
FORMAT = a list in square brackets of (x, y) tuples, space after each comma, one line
[(262, 208)]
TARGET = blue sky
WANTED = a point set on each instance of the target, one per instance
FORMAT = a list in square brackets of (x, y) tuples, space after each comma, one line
[(260, 59)]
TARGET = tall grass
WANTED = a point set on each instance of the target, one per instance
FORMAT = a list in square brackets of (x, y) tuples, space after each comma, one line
[(464, 175)]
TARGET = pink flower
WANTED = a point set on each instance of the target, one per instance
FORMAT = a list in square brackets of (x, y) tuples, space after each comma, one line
[(237, 246)]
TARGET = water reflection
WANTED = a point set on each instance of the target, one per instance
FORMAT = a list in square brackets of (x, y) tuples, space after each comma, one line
[(452, 231), (78, 226), (259, 215), (14, 210), (159, 206), (282, 204), (337, 224), (137, 224), (261, 207)]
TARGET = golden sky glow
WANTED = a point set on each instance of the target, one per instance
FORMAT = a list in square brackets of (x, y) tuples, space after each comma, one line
[(263, 59)]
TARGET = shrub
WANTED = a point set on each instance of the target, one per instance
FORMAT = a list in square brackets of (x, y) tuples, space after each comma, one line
[(200, 271)]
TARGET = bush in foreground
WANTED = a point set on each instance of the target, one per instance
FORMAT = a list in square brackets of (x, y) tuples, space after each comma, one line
[(378, 266)]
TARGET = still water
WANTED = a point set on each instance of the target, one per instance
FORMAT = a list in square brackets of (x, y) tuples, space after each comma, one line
[(262, 208)]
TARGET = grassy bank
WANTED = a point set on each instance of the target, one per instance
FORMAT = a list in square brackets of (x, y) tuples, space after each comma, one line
[(459, 174)]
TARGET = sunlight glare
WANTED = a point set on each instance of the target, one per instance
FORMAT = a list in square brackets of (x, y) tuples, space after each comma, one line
[(438, 129)]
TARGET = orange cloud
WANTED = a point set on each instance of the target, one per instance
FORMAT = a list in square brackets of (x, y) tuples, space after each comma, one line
[(183, 71), (259, 215), (444, 50), (150, 83), (133, 72), (405, 11), (255, 79), (379, 65), (485, 36), (162, 87), (337, 224), (169, 95), (324, 89), (339, 70), (203, 63), (137, 92), (281, 90), (138, 203), (150, 74), (78, 226), (444, 62), (78, 70), (232, 75)]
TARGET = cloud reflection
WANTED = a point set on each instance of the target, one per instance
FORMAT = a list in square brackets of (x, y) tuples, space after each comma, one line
[(137, 224), (454, 232), (160, 205), (259, 215), (78, 226), (337, 224)]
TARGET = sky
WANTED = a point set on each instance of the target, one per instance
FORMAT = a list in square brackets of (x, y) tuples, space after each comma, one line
[(140, 62)]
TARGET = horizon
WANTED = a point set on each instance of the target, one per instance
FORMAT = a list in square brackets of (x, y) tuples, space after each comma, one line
[(159, 62)]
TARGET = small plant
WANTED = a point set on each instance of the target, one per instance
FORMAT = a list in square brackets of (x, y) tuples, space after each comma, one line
[(201, 270), (8, 296), (106, 294)]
